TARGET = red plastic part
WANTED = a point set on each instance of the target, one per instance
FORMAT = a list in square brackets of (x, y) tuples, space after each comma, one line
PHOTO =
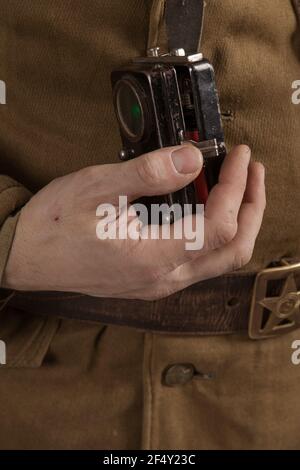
[(200, 181)]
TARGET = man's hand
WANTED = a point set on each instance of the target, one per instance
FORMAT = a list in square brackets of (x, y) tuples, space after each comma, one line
[(56, 247)]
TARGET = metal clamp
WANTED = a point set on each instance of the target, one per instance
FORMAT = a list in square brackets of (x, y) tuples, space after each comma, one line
[(208, 148)]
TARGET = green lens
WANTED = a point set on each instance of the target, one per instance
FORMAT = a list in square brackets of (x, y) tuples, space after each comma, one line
[(136, 111), (130, 111)]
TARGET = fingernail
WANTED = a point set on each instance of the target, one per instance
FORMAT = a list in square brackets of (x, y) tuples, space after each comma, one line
[(187, 159)]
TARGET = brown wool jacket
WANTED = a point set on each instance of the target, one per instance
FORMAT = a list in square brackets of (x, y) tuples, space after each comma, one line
[(89, 381)]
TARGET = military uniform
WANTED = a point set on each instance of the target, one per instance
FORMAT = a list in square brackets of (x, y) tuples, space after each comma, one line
[(75, 384)]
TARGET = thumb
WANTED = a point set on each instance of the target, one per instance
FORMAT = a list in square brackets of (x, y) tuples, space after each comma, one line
[(160, 172)]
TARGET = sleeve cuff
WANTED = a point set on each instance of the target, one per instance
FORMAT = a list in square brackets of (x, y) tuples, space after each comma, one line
[(12, 197)]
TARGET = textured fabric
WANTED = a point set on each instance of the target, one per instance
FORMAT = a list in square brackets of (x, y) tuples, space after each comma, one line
[(27, 339), (75, 385), (251, 401), (12, 197), (101, 388), (87, 395)]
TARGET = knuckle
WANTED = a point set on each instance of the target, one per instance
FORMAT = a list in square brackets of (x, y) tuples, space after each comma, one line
[(150, 172), (224, 233), (89, 173), (242, 256), (91, 179)]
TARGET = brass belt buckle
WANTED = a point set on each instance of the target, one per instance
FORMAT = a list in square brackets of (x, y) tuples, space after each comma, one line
[(273, 316)]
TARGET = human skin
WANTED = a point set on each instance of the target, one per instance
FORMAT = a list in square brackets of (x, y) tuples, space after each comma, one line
[(56, 248)]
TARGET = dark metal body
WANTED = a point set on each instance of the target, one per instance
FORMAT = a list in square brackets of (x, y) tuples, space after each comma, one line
[(180, 103)]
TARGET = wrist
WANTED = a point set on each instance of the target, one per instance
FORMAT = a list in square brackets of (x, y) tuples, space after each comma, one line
[(14, 274)]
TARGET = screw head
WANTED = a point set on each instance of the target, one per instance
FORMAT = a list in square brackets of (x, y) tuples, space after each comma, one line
[(153, 52), (178, 52), (125, 154)]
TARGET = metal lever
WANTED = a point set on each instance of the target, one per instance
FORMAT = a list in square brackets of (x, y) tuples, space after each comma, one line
[(208, 148)]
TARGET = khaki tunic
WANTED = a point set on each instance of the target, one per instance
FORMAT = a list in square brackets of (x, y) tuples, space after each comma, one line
[(71, 384)]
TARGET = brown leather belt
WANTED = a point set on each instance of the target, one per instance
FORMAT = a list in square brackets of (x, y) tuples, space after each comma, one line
[(265, 304)]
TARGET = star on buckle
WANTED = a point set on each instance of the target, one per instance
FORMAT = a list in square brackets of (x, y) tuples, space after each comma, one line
[(275, 315)]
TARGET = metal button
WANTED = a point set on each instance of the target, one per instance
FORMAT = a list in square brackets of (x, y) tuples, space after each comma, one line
[(178, 374), (153, 52), (180, 52)]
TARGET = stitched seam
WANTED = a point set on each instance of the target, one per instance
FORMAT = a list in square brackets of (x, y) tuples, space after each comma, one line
[(36, 338), (147, 392), (40, 342), (18, 358), (152, 388), (26, 359)]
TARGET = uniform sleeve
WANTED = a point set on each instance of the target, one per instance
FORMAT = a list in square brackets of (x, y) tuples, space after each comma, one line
[(12, 197)]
